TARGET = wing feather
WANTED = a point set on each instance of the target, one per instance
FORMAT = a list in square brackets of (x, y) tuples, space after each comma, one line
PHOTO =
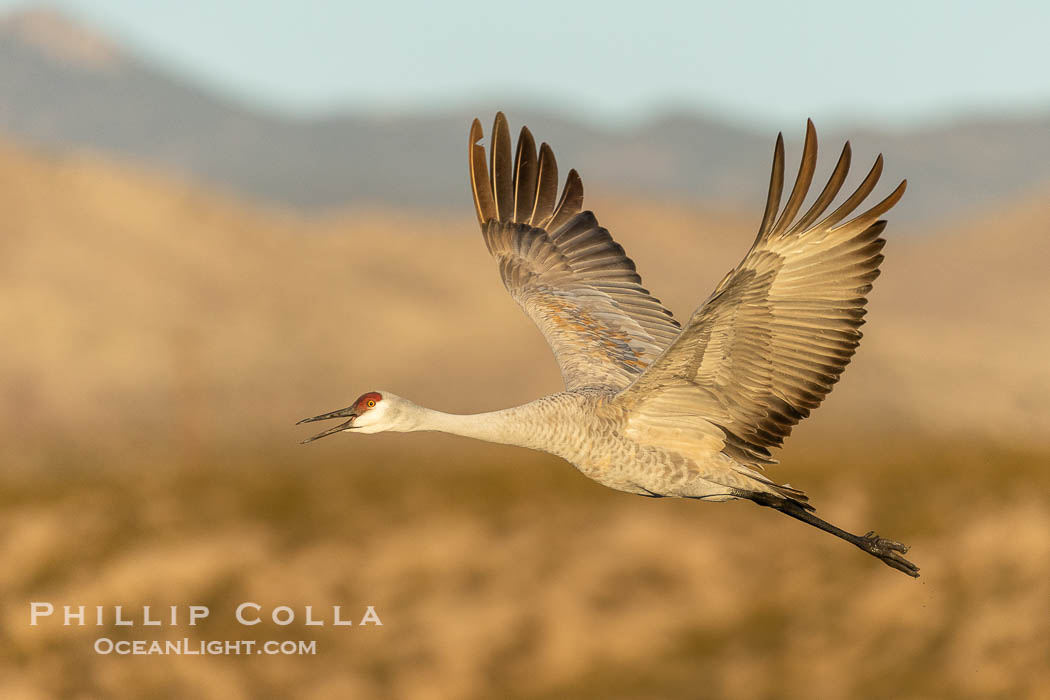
[(802, 182), (484, 204), (768, 345), (570, 203), (828, 194), (502, 171), (567, 273), (525, 177), (546, 187)]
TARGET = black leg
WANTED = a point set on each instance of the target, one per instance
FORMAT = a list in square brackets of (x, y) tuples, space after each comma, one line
[(887, 550)]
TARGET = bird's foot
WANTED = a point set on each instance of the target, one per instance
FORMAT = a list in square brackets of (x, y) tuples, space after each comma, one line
[(889, 552)]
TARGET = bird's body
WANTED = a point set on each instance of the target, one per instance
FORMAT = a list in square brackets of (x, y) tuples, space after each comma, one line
[(593, 431), (652, 407)]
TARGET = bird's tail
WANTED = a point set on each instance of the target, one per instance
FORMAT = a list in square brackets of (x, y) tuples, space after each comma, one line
[(792, 494)]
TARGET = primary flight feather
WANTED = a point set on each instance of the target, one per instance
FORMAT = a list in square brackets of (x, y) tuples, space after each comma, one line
[(650, 406)]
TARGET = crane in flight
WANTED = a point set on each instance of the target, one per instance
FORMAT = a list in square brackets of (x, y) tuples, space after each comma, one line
[(652, 407)]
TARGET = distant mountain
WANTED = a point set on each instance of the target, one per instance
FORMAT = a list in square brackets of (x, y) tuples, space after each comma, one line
[(62, 87)]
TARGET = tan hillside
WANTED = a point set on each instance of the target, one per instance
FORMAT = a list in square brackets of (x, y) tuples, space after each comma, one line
[(964, 350)]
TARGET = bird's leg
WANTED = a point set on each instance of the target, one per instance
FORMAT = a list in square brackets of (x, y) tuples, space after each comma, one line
[(887, 550)]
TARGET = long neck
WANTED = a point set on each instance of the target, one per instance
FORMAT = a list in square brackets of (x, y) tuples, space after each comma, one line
[(522, 425)]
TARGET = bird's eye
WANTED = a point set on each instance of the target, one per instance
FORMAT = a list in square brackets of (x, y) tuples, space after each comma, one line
[(371, 403)]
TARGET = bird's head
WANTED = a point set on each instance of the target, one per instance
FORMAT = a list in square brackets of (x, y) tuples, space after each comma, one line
[(372, 412)]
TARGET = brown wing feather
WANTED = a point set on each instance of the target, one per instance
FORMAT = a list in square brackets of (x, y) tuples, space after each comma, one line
[(566, 271), (767, 347), (502, 170), (546, 187), (569, 205), (525, 177), (484, 204)]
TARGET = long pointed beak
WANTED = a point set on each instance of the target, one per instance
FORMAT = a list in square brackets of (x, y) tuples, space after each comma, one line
[(341, 413)]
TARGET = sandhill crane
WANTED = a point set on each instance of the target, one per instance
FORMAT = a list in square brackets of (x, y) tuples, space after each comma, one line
[(651, 407)]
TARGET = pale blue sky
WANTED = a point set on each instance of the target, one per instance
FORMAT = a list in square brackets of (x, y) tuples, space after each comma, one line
[(770, 63)]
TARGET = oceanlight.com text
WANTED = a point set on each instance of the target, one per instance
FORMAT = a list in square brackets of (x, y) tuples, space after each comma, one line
[(201, 647)]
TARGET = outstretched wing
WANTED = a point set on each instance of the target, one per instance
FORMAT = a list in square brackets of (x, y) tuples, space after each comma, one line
[(566, 271), (765, 349)]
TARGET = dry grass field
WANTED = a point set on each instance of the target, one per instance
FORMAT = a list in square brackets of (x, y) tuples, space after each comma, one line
[(160, 341)]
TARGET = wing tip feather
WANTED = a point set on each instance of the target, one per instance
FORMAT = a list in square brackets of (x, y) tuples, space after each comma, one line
[(480, 186)]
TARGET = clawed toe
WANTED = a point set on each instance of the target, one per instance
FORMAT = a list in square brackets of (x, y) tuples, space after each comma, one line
[(881, 545), (889, 552)]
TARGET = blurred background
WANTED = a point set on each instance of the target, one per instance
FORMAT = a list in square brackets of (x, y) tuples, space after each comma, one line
[(221, 218)]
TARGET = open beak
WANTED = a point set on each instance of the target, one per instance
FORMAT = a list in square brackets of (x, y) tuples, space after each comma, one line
[(341, 413)]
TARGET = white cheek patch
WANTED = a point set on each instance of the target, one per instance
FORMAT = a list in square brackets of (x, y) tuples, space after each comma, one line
[(368, 421), (364, 420)]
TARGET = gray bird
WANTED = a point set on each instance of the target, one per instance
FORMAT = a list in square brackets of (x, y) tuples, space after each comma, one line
[(652, 407)]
